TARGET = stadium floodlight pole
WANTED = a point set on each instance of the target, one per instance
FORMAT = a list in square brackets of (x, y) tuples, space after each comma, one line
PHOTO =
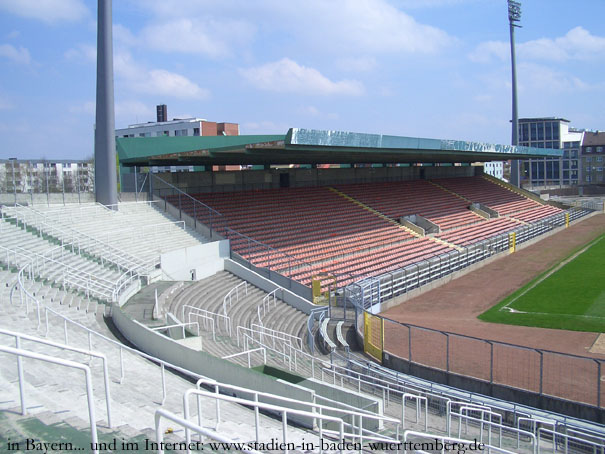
[(514, 16), (106, 191)]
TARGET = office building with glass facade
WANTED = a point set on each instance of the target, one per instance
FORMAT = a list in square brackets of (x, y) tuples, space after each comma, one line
[(550, 132)]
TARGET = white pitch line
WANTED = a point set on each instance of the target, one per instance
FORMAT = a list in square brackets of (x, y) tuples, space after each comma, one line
[(550, 273)]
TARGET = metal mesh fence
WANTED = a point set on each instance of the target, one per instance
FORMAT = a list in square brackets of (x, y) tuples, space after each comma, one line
[(469, 356), (430, 347), (517, 367), (571, 377), (561, 375)]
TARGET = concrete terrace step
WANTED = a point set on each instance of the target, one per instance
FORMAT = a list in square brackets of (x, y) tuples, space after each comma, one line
[(130, 413)]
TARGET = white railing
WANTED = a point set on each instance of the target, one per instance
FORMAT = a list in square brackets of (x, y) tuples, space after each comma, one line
[(345, 411), (482, 423), (561, 442), (392, 375), (533, 425), (205, 320), (259, 335), (293, 340), (68, 275), (159, 434), (269, 300), (179, 325), (283, 411), (20, 336), (234, 293), (248, 354), (444, 444), (62, 362), (104, 250), (214, 315), (68, 322), (135, 232)]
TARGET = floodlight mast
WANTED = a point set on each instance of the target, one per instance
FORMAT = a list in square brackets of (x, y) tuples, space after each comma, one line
[(105, 146), (514, 16)]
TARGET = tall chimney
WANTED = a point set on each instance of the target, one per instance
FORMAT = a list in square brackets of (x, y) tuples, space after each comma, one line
[(162, 111)]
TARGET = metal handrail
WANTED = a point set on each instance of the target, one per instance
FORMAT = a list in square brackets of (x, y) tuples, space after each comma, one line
[(460, 443), (270, 298), (19, 336), (159, 435), (262, 329), (230, 295), (226, 318), (102, 286), (62, 362), (181, 325), (132, 262), (313, 406), (195, 204), (267, 407), (163, 364), (553, 435), (247, 352)]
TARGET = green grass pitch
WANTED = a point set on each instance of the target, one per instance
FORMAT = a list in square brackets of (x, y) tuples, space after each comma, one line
[(570, 296)]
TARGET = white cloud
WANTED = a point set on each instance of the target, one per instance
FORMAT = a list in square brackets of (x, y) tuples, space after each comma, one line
[(14, 34), (357, 64), (287, 76), (542, 78), (83, 52), (162, 82), (131, 109), (487, 50), (46, 10), (155, 81), (87, 108), (372, 26), (20, 55), (576, 44), (263, 127), (313, 111), (368, 26), (198, 36), (123, 35)]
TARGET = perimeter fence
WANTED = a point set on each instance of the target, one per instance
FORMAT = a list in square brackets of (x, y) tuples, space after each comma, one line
[(543, 372)]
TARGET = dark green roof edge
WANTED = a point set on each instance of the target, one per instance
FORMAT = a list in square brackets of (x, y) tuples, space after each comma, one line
[(342, 139), (147, 147)]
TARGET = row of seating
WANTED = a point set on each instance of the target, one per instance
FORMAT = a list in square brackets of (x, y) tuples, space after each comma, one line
[(473, 234), (404, 198), (481, 190), (304, 231)]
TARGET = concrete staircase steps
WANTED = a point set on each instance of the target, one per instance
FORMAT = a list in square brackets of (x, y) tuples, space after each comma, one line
[(134, 391)]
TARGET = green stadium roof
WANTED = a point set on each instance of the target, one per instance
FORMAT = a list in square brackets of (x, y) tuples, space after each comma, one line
[(307, 146)]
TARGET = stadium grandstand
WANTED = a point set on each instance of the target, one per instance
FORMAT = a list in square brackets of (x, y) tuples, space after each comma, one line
[(241, 310)]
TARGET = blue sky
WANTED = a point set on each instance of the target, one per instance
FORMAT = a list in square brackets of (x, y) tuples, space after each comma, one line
[(422, 68)]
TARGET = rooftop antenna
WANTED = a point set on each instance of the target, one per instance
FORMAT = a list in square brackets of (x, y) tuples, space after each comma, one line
[(514, 16)]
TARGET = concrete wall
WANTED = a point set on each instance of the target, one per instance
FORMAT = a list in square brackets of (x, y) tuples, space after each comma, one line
[(207, 365), (270, 178), (277, 279), (226, 372), (288, 296), (194, 262)]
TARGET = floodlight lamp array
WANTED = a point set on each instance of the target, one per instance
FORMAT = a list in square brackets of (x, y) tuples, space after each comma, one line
[(514, 11)]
